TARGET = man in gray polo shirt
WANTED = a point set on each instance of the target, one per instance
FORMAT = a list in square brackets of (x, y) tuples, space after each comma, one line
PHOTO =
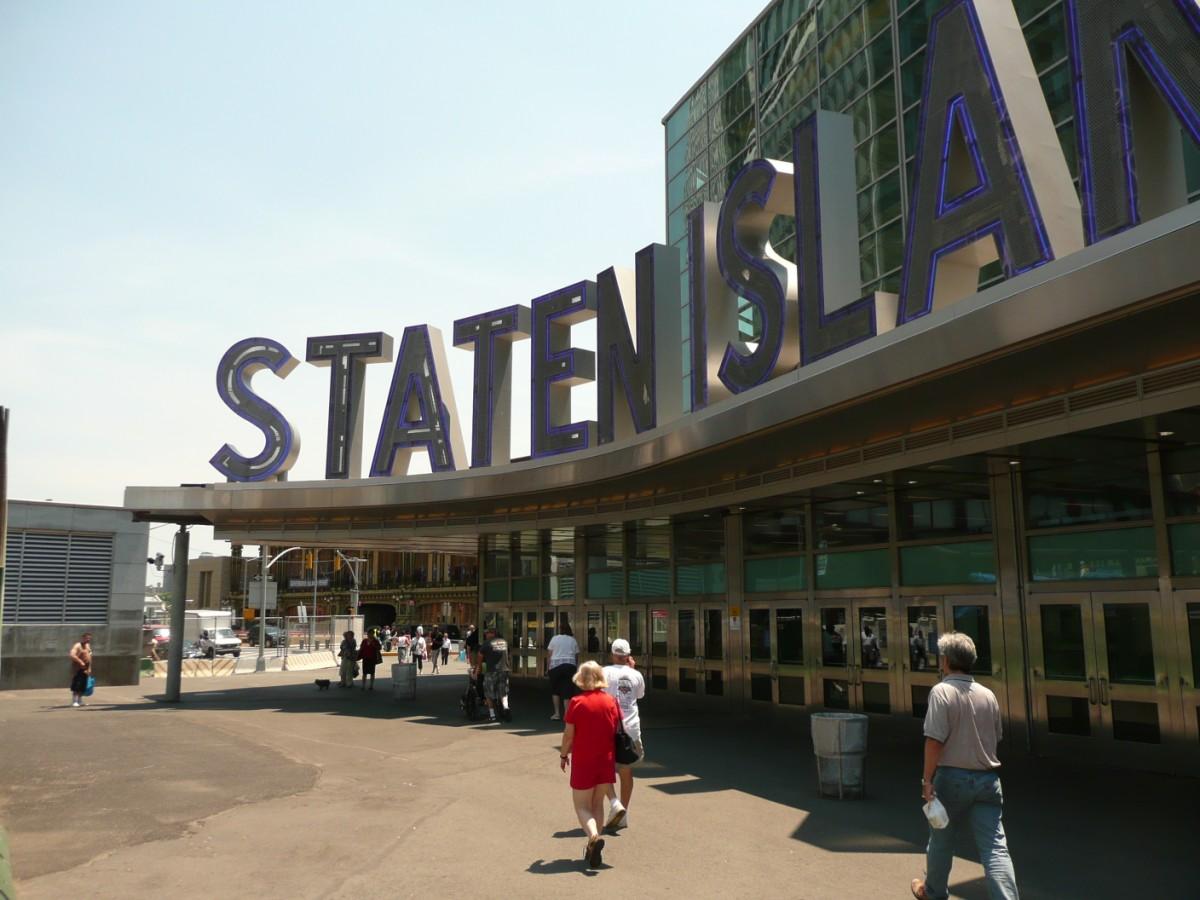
[(962, 728)]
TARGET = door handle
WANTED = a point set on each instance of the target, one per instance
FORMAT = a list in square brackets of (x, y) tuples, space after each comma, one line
[(1093, 696), (1104, 692)]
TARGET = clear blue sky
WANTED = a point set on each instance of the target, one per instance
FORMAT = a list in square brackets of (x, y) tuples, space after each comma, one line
[(177, 176)]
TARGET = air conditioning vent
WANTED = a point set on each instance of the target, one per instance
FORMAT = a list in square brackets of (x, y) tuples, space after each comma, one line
[(776, 476), (1036, 412), (723, 488), (808, 468), (752, 481), (697, 494), (1126, 390), (639, 504)]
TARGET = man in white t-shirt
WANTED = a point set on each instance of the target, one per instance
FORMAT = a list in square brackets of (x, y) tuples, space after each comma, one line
[(562, 657), (627, 686)]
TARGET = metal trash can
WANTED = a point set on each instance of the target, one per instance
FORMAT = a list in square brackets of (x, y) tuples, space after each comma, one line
[(840, 744), (404, 681)]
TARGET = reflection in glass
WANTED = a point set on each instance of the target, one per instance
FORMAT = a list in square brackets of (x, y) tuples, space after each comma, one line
[(923, 635), (760, 635), (593, 631), (1086, 479), (851, 522), (636, 636), (612, 629), (658, 633), (833, 637), (872, 626), (1135, 722), (876, 697), (686, 625), (1062, 641), (1128, 643), (1068, 715), (773, 530), (789, 629), (687, 680), (547, 627), (714, 634), (760, 688), (836, 693), (791, 690), (1123, 553), (973, 622)]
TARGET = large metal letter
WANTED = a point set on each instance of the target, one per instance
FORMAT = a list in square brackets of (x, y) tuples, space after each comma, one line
[(420, 411), (491, 335), (1119, 118), (347, 356), (557, 367), (652, 374), (833, 315), (712, 307), (991, 180), (234, 372), (760, 191)]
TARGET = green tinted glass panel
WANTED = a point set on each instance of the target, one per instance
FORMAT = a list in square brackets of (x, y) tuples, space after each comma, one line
[(703, 578), (525, 589), (1185, 549), (1062, 641), (865, 568), (967, 563), (785, 573), (1047, 39), (558, 587), (650, 582), (1191, 163), (495, 591), (605, 585), (1128, 643), (1123, 553)]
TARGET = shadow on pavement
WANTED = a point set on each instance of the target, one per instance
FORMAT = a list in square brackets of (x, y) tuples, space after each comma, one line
[(1074, 830)]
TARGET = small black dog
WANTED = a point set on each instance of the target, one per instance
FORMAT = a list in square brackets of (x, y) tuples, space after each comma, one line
[(322, 684)]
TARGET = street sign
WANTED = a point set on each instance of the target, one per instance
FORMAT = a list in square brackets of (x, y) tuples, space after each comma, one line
[(264, 595)]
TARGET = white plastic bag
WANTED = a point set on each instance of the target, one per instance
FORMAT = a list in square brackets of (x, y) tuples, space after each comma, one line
[(936, 813)]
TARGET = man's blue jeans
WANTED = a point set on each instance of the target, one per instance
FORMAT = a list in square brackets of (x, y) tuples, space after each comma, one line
[(972, 799)]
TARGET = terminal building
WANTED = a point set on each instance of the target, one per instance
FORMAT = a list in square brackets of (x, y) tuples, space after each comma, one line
[(940, 371)]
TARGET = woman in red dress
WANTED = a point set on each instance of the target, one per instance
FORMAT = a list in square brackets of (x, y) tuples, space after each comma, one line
[(591, 727)]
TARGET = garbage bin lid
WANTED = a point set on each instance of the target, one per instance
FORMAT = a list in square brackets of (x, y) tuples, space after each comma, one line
[(842, 716)]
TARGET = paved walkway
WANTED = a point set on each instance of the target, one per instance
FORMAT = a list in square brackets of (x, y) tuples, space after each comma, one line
[(263, 784)]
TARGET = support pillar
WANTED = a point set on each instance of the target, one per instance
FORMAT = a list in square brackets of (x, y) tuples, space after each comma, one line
[(178, 608)]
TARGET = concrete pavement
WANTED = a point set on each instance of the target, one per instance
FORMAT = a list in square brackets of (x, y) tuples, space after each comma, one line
[(263, 784)]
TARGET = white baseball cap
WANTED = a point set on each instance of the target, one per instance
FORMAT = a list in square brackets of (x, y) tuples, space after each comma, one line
[(621, 647)]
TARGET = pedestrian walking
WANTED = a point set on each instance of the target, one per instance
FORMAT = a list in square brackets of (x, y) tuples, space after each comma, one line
[(587, 746), (562, 658), (627, 686), (962, 728), (370, 654), (494, 654), (445, 648), (81, 668), (419, 650), (403, 647), (435, 649), (348, 653)]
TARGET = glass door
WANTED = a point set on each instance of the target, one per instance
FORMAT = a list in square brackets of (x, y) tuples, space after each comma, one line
[(714, 664), (686, 654), (603, 627), (858, 663), (775, 653), (1188, 639), (660, 653), (927, 618), (1099, 676)]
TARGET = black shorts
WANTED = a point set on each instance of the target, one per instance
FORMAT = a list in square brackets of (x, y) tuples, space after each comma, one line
[(368, 668), (560, 680), (79, 682)]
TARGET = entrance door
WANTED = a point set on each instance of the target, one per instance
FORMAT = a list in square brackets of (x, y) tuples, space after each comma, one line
[(927, 618), (857, 667), (660, 647), (603, 627), (701, 650), (775, 653), (1099, 674)]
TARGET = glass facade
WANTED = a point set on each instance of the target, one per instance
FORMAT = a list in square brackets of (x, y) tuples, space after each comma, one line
[(864, 58)]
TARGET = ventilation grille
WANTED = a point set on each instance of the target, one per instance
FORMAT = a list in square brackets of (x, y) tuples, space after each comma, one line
[(928, 439), (1126, 390), (881, 450), (1036, 413), (1165, 381), (57, 578), (845, 459), (977, 427)]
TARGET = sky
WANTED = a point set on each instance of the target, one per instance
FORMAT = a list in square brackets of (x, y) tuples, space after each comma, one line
[(179, 176)]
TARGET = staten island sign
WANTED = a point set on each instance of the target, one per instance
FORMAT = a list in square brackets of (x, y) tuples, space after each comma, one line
[(990, 183)]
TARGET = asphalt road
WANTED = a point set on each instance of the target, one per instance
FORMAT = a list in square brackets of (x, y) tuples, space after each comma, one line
[(263, 785)]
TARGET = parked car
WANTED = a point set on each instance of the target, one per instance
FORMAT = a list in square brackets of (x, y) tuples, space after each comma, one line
[(219, 642), (275, 637)]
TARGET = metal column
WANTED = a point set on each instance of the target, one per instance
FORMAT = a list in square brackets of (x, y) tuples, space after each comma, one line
[(178, 608)]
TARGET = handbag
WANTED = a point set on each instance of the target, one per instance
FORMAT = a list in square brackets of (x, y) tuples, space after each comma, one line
[(91, 686), (623, 747)]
